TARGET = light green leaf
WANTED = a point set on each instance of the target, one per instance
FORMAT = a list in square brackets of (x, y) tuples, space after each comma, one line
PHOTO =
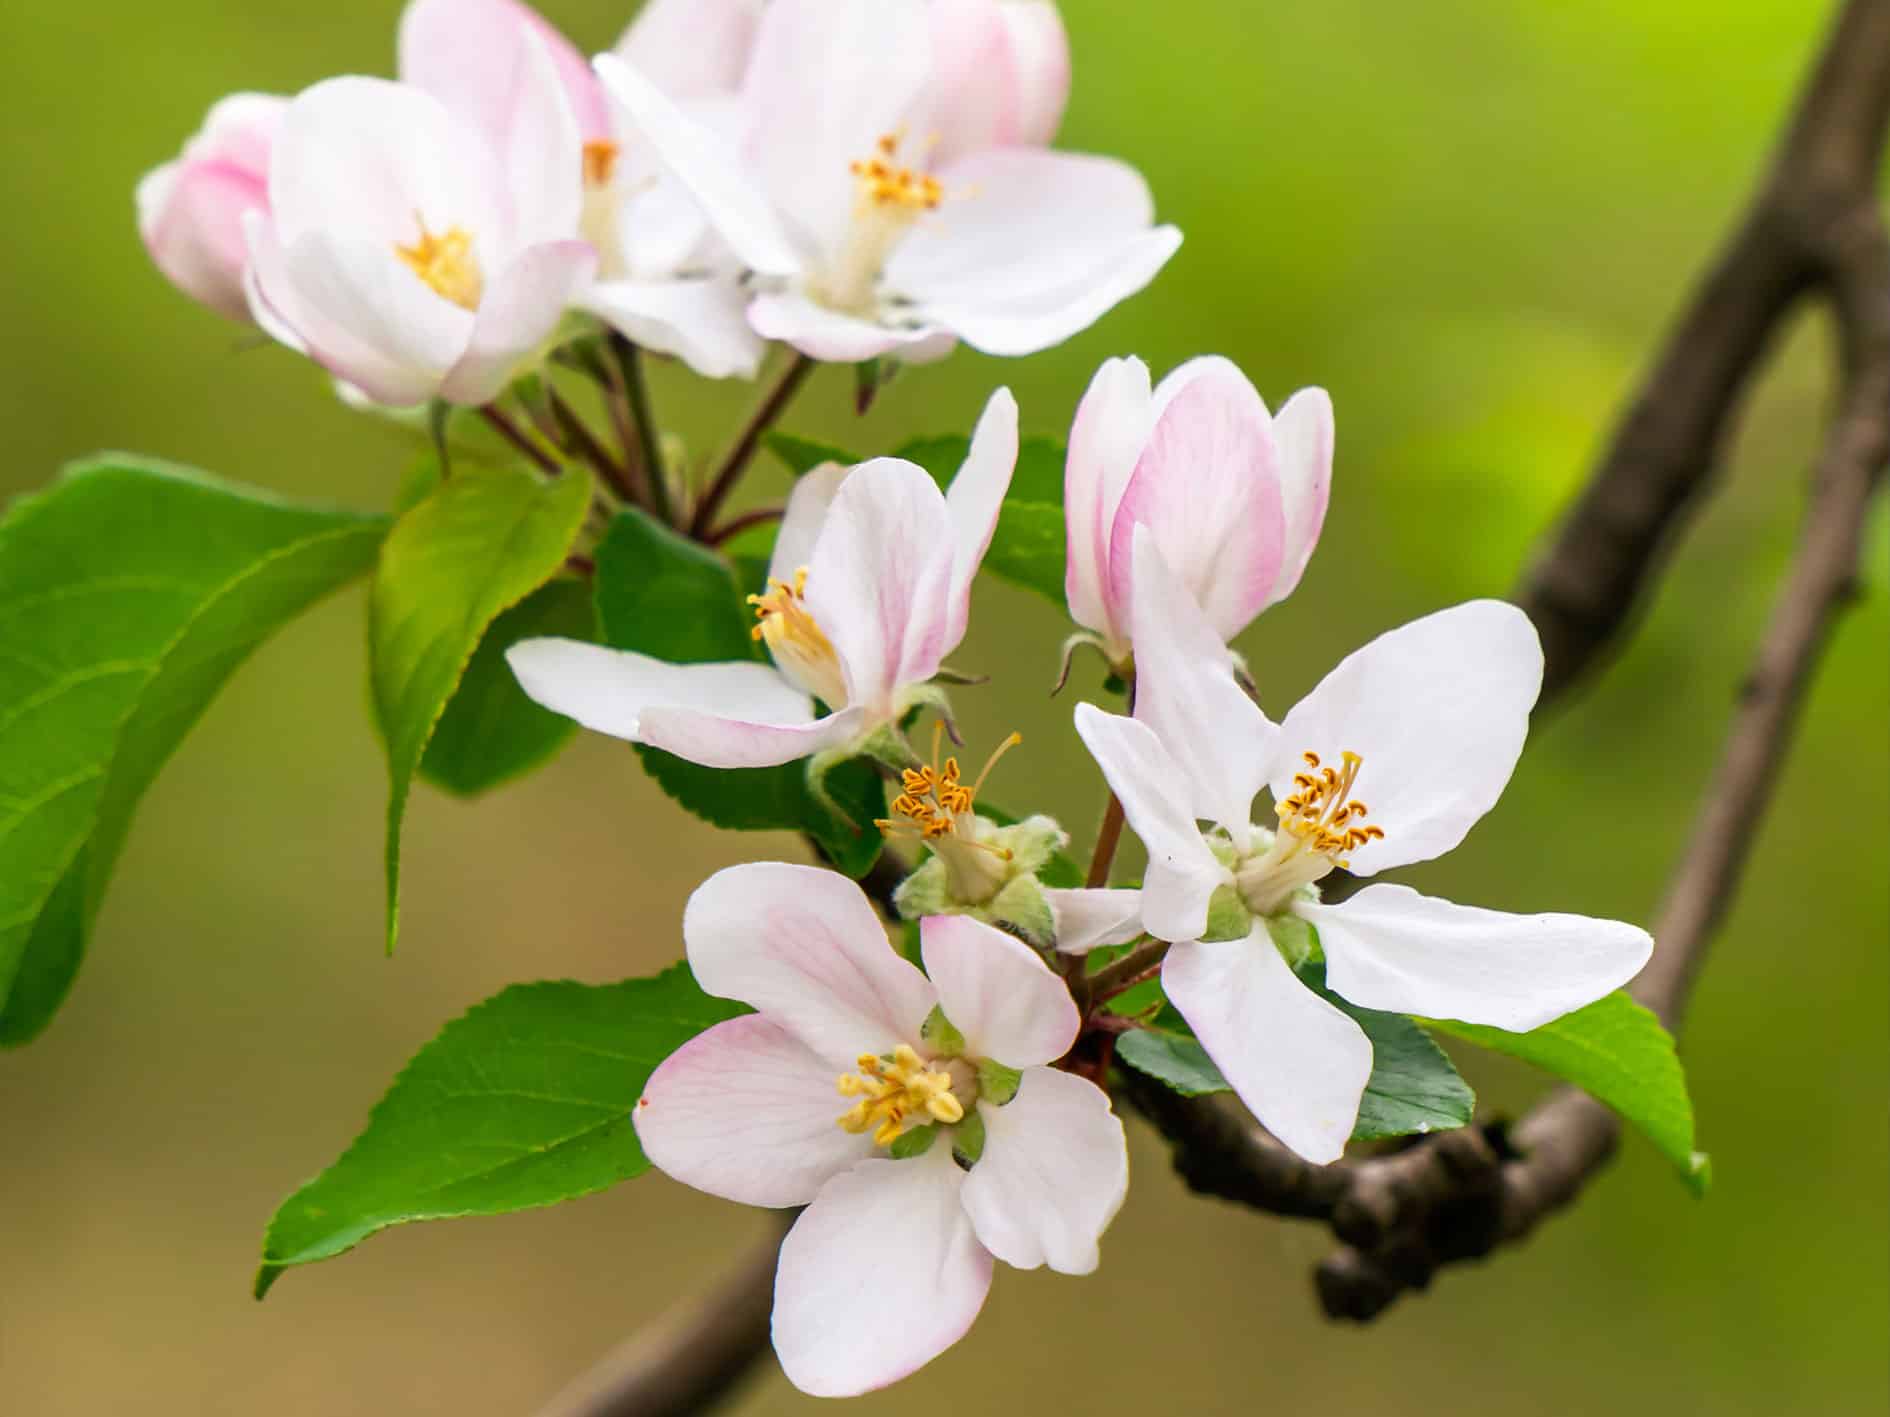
[(491, 731), (1616, 1051), (662, 595), (129, 591), (1171, 1058), (476, 546), (524, 1101)]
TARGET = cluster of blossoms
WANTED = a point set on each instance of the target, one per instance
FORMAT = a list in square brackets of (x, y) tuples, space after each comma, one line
[(864, 180)]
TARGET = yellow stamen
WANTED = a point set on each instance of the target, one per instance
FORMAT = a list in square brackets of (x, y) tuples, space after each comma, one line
[(446, 263), (935, 800), (896, 1093), (600, 162), (889, 197), (794, 637), (1320, 812)]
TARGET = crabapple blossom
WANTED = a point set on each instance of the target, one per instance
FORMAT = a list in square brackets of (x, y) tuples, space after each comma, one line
[(190, 211), (869, 590), (1235, 496), (1428, 722), (913, 1114), (888, 194)]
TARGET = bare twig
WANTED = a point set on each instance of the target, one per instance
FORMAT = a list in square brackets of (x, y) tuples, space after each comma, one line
[(735, 461), (581, 440), (519, 438), (636, 391), (1815, 226)]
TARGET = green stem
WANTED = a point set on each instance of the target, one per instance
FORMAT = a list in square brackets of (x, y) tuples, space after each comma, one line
[(648, 450)]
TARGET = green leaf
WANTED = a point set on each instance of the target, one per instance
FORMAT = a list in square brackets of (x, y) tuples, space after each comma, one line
[(1616, 1051), (1038, 476), (665, 596), (476, 546), (129, 591), (492, 731), (803, 455), (1027, 548), (524, 1101), (1414, 1087), (1171, 1058)]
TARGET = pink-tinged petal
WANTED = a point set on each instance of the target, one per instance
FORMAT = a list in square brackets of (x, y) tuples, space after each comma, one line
[(611, 690), (1089, 919), (1183, 873), (744, 1111), (518, 315), (1029, 324), (826, 81), (1040, 60), (974, 499), (1389, 947), (1054, 1172), (1438, 710), (542, 155), (807, 507), (836, 338), (707, 166), (803, 946), (879, 580), (467, 53), (1298, 1063), (879, 1276), (1106, 440), (692, 47), (720, 742), (1186, 693), (998, 992), (1207, 485), (1303, 434), (700, 321), (972, 98)]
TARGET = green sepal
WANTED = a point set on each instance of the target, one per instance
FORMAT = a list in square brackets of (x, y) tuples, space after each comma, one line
[(1228, 916), (915, 1142), (997, 1084), (968, 1139), (939, 1033), (1296, 940), (1023, 905)]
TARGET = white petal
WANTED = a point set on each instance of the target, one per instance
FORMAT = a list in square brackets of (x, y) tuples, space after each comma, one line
[(692, 47), (971, 102), (519, 312), (1040, 57), (807, 507), (998, 992), (707, 166), (469, 55), (879, 579), (831, 336), (804, 947), (1186, 693), (719, 742), (1106, 440), (1438, 711), (1298, 1063), (974, 499), (702, 321), (543, 151), (1303, 434), (1182, 872), (609, 690), (1208, 486), (879, 1276), (1053, 1175), (1089, 919), (1389, 947), (744, 1111)]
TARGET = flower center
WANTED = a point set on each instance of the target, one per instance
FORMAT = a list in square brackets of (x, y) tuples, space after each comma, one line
[(800, 647), (902, 1091), (446, 263), (1320, 822), (889, 197), (936, 808), (600, 162)]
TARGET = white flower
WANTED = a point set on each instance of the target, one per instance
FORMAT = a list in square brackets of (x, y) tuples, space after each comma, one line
[(852, 1050), (1426, 724), (862, 188), (870, 588), (1235, 496)]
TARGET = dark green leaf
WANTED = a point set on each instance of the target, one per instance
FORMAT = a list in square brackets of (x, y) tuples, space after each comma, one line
[(129, 591), (1171, 1058), (1617, 1052), (523, 1101), (662, 595), (479, 544), (1027, 548), (491, 731), (803, 455), (1038, 477)]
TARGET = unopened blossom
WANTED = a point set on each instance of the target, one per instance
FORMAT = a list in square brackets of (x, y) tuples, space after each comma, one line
[(1235, 496), (913, 1114), (662, 277), (869, 590), (885, 208), (401, 256), (190, 211), (1390, 760)]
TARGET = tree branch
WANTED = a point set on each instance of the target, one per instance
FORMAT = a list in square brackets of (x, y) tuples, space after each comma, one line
[(1814, 226)]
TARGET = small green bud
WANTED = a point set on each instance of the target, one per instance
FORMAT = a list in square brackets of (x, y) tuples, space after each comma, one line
[(968, 1139), (997, 1084), (913, 1143)]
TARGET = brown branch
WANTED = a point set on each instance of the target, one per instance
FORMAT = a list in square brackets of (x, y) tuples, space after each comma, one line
[(1814, 226), (735, 461)]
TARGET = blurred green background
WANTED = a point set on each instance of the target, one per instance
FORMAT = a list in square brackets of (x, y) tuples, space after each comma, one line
[(1469, 219)]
